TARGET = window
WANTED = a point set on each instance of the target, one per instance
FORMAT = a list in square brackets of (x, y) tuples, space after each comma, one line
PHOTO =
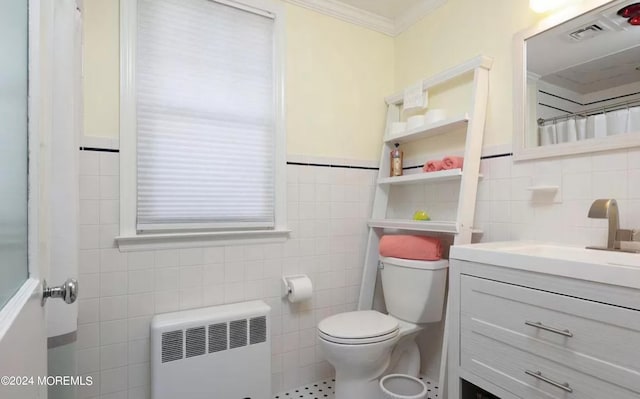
[(202, 135)]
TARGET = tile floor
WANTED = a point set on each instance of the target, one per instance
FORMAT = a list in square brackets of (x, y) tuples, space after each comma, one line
[(326, 389)]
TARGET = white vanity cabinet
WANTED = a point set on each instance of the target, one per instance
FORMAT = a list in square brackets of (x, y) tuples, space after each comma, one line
[(521, 331)]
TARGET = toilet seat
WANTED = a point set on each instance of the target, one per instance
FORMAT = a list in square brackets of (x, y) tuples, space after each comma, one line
[(357, 328)]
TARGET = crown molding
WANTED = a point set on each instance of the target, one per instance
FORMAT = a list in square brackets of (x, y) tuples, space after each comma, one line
[(348, 13), (415, 14), (367, 19)]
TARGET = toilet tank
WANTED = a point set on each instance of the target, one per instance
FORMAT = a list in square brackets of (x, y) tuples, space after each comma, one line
[(414, 289)]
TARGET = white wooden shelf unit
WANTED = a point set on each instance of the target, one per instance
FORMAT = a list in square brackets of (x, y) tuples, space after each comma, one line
[(462, 228)]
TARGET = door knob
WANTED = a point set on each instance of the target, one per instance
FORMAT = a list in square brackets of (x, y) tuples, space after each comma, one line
[(68, 291)]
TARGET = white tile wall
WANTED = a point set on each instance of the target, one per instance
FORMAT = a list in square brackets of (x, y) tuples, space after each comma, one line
[(507, 211), (327, 210)]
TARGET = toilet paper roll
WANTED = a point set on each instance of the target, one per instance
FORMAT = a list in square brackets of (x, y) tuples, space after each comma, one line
[(300, 288)]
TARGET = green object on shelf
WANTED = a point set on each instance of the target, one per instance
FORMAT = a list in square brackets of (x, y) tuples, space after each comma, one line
[(421, 215)]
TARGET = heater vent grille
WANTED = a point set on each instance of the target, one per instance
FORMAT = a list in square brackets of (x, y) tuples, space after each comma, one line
[(217, 337), (172, 346), (257, 330), (196, 342), (237, 334)]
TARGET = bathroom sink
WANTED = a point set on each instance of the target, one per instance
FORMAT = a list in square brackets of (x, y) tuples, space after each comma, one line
[(610, 267), (577, 254)]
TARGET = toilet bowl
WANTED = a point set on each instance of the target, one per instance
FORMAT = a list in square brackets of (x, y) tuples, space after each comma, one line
[(365, 345)]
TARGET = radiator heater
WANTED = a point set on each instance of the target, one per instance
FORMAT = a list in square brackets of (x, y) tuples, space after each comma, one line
[(220, 352)]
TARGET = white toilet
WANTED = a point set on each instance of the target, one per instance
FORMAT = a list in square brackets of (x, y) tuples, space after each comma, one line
[(365, 345)]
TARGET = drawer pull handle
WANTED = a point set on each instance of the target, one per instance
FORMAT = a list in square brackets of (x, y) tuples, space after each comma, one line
[(541, 326), (538, 374)]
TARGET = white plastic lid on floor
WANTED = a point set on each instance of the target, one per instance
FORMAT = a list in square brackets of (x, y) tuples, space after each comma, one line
[(358, 325), (402, 386)]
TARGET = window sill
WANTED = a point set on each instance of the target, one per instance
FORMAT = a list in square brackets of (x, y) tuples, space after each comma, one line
[(145, 242)]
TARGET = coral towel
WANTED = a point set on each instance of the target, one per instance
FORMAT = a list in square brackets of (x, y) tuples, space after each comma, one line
[(411, 247), (452, 163), (432, 166)]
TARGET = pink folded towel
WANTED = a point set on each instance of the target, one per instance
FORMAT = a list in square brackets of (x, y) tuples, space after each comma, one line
[(432, 166), (452, 163), (411, 247)]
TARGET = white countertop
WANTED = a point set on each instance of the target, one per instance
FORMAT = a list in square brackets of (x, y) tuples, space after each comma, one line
[(607, 267)]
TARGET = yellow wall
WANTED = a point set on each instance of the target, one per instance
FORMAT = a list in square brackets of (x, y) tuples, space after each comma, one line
[(101, 61), (454, 33), (337, 77)]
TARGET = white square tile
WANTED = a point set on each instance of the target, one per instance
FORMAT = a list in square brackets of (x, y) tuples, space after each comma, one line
[(141, 304), (88, 360), (92, 390), (89, 237), (234, 272), (634, 184), (213, 295), (139, 327), (89, 187), (112, 356), (167, 279), (89, 212), (89, 163), (115, 283), (113, 380), (576, 186), (113, 308), (112, 260), (191, 298), (142, 392), (89, 261), (577, 164), (166, 258), (90, 285), (140, 260), (115, 395), (214, 255), (167, 301), (213, 274), (88, 310), (234, 253), (139, 351), (233, 292), (109, 211), (254, 270), (611, 184), (633, 158), (113, 332), (191, 276), (610, 160), (109, 187), (108, 233), (191, 256), (88, 336), (141, 281), (139, 375), (109, 164)]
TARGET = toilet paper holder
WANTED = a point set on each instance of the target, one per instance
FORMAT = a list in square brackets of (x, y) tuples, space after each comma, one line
[(286, 285), (297, 288)]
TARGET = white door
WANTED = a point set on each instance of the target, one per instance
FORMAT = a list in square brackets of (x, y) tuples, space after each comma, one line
[(26, 115)]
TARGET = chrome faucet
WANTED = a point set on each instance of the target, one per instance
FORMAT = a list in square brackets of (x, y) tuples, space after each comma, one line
[(607, 209)]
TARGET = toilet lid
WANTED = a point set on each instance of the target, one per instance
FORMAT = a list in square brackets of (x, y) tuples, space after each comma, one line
[(360, 325)]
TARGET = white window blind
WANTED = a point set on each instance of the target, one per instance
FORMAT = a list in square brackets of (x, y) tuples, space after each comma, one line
[(205, 116)]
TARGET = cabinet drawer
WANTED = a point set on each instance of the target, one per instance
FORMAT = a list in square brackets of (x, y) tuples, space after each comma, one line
[(507, 367), (594, 339)]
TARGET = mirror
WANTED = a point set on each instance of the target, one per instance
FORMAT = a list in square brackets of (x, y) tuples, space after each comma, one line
[(577, 83)]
